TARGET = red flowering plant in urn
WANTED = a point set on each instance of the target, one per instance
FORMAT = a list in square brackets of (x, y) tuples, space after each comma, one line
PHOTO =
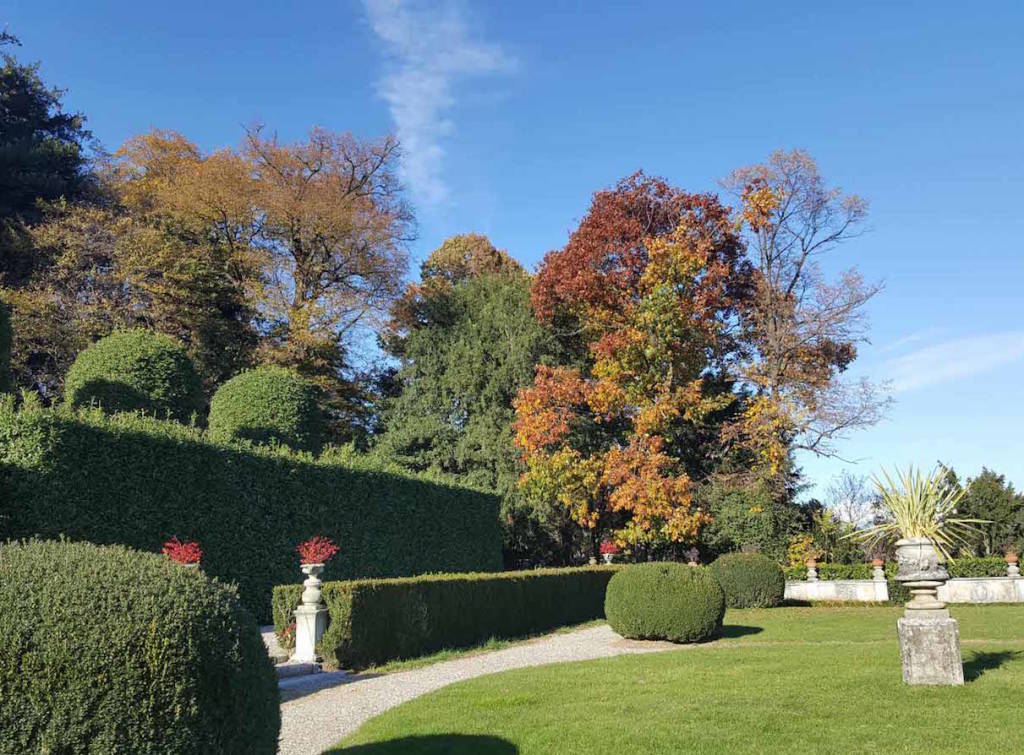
[(313, 554), (188, 553), (609, 549)]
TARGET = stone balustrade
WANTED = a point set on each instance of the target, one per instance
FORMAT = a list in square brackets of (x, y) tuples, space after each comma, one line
[(1008, 589)]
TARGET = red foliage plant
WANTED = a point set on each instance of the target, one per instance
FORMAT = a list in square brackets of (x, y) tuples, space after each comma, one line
[(188, 552), (317, 550), (609, 547)]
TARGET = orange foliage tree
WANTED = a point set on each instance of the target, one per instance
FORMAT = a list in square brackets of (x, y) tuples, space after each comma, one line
[(648, 288)]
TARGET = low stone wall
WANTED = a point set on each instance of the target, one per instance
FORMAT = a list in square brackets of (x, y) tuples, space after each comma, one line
[(983, 590), (959, 590), (854, 590)]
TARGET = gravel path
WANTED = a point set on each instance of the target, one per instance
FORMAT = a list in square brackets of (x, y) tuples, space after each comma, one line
[(321, 717)]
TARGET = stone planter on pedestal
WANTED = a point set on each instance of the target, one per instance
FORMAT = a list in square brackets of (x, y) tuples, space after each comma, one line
[(929, 636), (878, 569), (310, 616), (1012, 567), (812, 570)]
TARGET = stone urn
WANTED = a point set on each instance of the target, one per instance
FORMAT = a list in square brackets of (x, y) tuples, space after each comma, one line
[(608, 557), (877, 569), (1012, 567), (812, 569), (929, 636), (922, 569), (312, 594), (310, 616)]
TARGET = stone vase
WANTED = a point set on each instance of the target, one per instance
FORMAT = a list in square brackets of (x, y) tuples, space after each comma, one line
[(310, 616), (929, 637), (312, 593), (1012, 567), (812, 570), (608, 557)]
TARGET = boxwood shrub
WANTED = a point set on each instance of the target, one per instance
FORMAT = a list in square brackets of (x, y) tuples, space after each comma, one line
[(989, 566), (750, 580), (136, 370), (268, 405), (378, 620), (105, 649), (665, 601), (137, 481)]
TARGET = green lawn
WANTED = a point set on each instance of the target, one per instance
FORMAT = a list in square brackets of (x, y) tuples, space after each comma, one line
[(786, 680)]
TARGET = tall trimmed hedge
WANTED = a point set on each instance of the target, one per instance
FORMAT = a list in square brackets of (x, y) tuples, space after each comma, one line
[(5, 348), (136, 370), (268, 405), (138, 481), (377, 620), (105, 649)]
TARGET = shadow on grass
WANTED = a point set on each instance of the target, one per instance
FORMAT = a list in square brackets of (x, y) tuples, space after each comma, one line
[(436, 744), (730, 631), (980, 662)]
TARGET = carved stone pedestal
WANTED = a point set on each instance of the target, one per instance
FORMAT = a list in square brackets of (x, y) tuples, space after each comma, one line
[(929, 637), (930, 650), (310, 623)]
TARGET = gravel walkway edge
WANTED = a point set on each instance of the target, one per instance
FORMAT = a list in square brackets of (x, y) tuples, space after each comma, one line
[(319, 720)]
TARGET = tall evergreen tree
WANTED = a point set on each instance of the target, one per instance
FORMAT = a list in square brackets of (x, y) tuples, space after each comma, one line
[(467, 342)]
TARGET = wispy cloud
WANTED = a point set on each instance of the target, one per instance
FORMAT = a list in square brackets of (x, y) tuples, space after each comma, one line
[(954, 359), (430, 48)]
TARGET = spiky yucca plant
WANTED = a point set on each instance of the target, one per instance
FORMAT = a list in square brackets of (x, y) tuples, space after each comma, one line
[(919, 505)]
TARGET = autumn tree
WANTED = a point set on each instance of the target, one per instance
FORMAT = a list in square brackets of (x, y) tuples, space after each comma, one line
[(466, 342), (649, 284), (802, 328)]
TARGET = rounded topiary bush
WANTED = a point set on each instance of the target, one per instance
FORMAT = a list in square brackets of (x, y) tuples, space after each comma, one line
[(136, 370), (665, 601), (750, 580), (105, 649), (268, 405)]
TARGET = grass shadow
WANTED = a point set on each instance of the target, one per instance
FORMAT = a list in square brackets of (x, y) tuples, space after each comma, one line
[(981, 662), (730, 631), (437, 744)]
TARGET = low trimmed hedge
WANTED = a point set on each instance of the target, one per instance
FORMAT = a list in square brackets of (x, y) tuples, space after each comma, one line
[(750, 580), (665, 601), (989, 566), (377, 620), (105, 649), (138, 481), (136, 370), (268, 405)]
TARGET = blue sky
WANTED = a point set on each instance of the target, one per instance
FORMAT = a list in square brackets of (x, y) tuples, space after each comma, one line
[(513, 113)]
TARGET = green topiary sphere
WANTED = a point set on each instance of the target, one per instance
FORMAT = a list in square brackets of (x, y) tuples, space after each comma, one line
[(268, 405), (105, 649), (665, 601), (750, 580), (136, 370)]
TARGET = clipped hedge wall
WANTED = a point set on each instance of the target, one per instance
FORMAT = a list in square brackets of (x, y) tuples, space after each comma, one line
[(5, 348), (750, 580), (378, 620), (136, 370), (268, 405), (665, 601), (832, 571), (990, 566), (137, 481), (105, 649)]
